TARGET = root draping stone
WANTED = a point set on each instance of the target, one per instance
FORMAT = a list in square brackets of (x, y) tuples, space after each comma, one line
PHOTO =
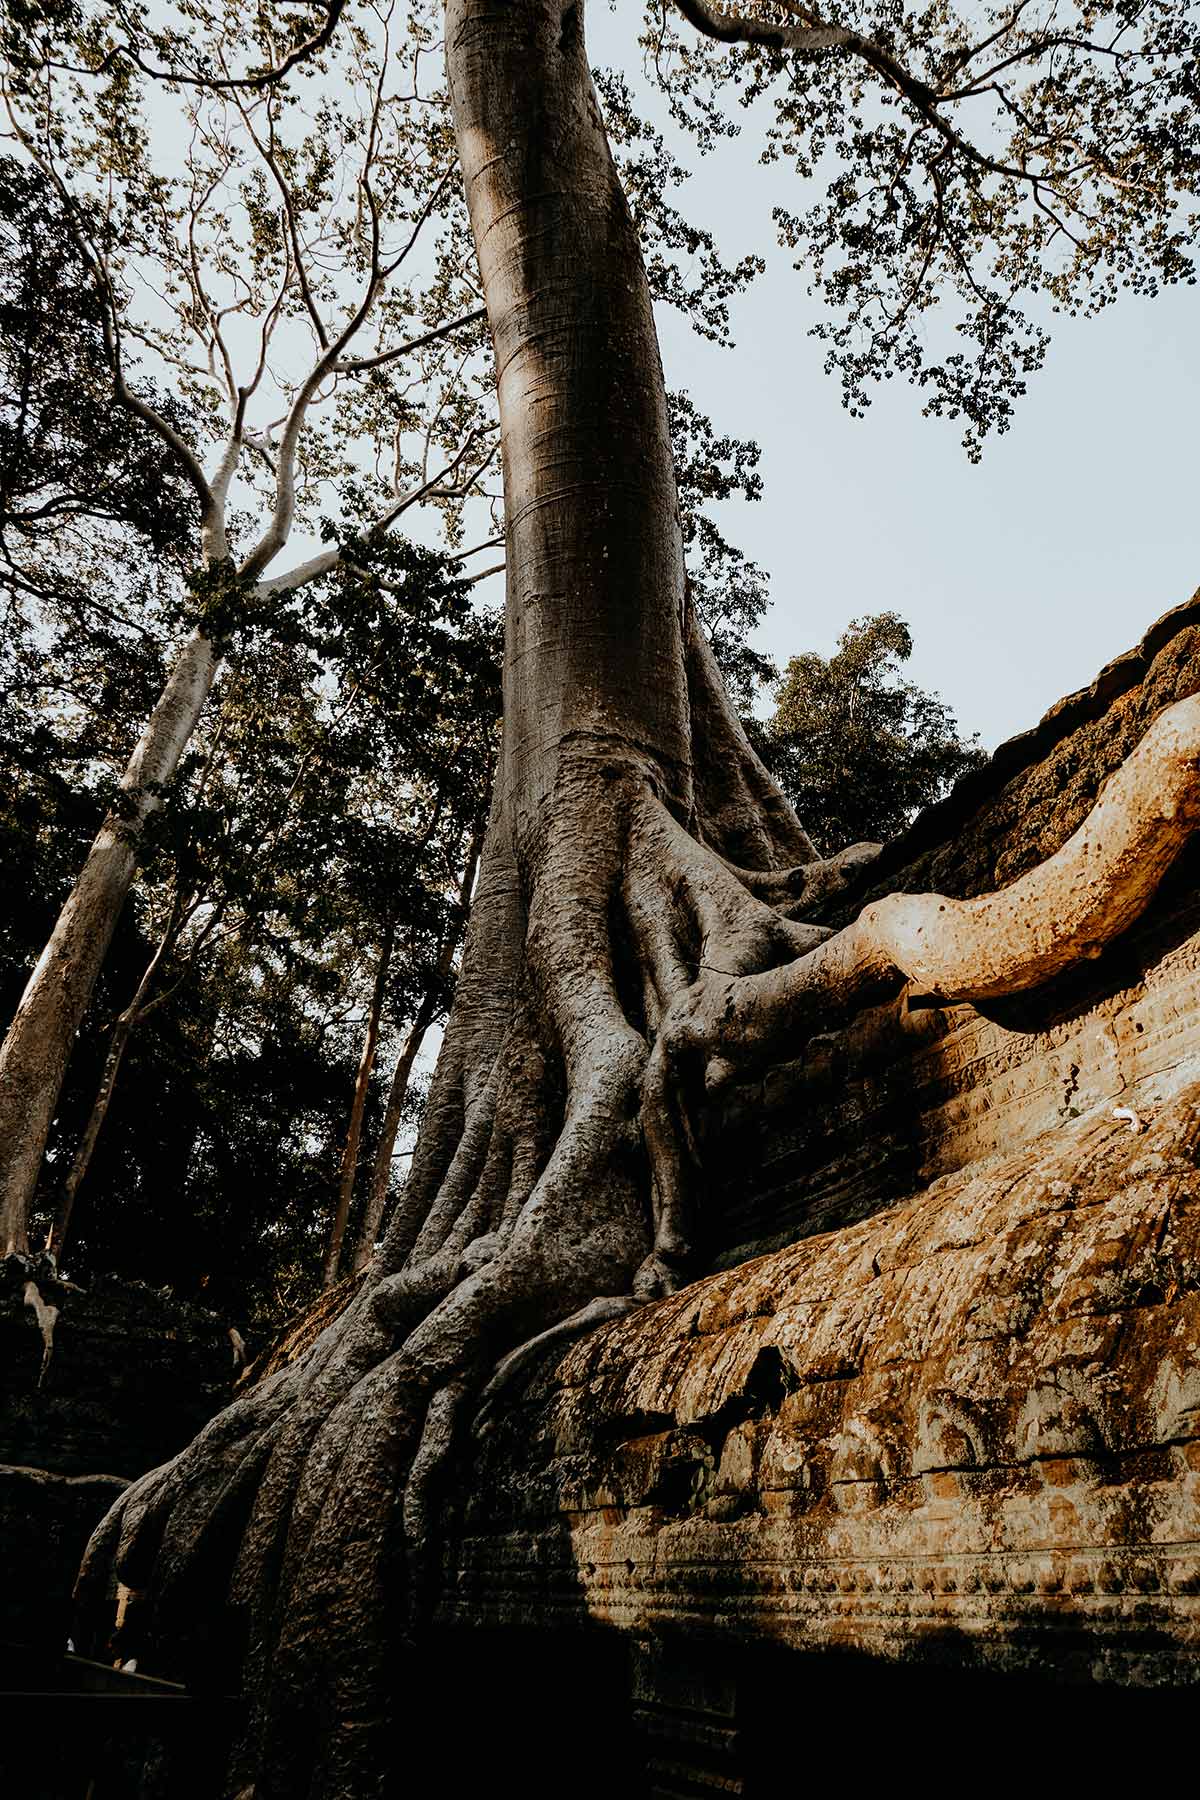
[(1075, 902)]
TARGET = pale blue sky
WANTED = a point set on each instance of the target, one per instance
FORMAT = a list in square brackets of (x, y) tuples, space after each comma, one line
[(1020, 577)]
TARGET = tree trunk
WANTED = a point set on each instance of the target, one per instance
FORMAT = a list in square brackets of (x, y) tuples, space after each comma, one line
[(366, 1064), (640, 888), (34, 1056), (381, 1173)]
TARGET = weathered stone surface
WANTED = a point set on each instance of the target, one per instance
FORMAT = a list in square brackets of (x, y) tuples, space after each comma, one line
[(973, 1419)]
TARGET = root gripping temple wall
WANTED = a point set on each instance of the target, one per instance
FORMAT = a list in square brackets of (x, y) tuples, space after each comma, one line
[(959, 1419)]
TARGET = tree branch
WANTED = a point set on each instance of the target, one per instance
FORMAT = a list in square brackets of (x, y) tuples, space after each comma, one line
[(328, 560), (738, 28), (311, 46), (356, 365), (729, 27)]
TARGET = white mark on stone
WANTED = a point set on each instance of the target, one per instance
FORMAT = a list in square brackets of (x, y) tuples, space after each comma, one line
[(1127, 1112)]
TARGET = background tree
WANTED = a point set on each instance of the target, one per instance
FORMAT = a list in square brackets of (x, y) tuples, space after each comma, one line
[(857, 749), (338, 782)]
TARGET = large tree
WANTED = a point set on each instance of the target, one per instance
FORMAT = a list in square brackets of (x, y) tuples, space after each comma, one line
[(637, 934)]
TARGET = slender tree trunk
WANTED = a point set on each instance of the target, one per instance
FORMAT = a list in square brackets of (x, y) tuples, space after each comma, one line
[(34, 1056), (123, 1030), (366, 1063), (381, 1173)]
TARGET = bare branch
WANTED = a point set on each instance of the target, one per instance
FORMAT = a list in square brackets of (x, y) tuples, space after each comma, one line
[(492, 543), (301, 575), (328, 560), (268, 153), (496, 569), (276, 534), (421, 220), (327, 363), (356, 365)]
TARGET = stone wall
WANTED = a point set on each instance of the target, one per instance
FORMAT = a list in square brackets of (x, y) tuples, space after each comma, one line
[(969, 1423)]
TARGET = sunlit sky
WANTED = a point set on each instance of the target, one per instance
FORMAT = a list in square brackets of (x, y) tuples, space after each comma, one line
[(1020, 577)]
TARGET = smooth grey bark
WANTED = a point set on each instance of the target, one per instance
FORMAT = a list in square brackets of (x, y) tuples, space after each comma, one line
[(37, 1047)]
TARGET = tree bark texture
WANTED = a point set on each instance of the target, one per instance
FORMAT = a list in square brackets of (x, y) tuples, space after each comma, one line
[(34, 1056), (636, 936)]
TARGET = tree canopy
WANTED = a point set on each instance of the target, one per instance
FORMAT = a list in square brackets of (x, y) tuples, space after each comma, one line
[(857, 749)]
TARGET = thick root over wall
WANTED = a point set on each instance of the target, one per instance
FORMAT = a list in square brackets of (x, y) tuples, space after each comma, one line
[(294, 1543)]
